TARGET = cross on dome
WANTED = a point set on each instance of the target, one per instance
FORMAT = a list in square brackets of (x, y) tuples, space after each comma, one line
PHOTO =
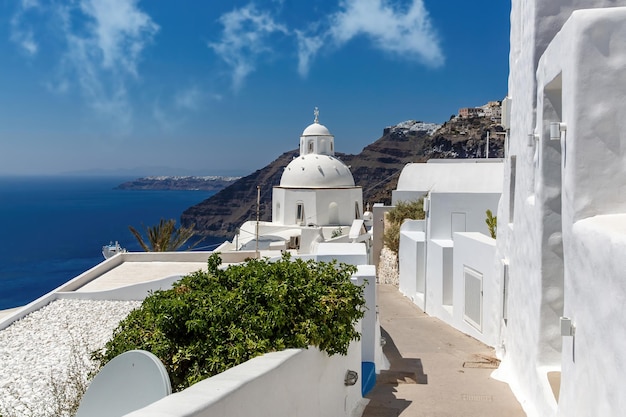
[(316, 113)]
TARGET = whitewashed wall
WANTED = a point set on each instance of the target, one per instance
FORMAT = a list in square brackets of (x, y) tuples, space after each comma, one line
[(441, 247), (316, 204), (439, 282), (412, 260), (477, 251), (533, 216), (588, 57), (293, 382), (472, 205)]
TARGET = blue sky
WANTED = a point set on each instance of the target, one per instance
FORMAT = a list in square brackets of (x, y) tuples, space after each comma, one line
[(221, 87)]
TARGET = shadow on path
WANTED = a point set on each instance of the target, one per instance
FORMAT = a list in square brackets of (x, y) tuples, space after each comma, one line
[(383, 401)]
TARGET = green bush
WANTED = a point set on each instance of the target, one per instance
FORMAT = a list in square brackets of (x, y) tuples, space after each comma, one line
[(403, 210), (391, 238), (492, 223), (211, 321)]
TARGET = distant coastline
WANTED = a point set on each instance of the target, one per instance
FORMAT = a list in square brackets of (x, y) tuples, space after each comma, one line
[(183, 183)]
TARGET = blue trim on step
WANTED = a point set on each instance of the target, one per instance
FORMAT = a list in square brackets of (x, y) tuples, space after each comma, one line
[(368, 377)]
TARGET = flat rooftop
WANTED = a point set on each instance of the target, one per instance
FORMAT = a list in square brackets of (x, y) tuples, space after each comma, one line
[(129, 273)]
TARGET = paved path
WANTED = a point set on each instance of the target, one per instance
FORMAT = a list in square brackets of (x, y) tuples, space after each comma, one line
[(435, 370)]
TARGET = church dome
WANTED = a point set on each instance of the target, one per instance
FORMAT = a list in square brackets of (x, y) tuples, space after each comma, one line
[(316, 171), (316, 129)]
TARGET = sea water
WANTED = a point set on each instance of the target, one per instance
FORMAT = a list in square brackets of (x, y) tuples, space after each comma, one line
[(53, 229)]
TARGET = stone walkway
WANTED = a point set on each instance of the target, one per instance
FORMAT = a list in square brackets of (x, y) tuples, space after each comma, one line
[(435, 370)]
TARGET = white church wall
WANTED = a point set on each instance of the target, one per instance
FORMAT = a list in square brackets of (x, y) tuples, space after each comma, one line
[(345, 199), (278, 205), (289, 199), (317, 203)]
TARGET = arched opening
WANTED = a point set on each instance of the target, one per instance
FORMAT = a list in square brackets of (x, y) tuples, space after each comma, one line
[(333, 213)]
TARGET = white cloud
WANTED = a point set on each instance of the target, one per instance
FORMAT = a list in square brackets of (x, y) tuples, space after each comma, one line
[(189, 99), (21, 33), (119, 30), (103, 39), (244, 40), (307, 49), (405, 33)]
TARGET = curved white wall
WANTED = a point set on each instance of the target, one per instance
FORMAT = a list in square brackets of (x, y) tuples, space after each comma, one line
[(293, 382)]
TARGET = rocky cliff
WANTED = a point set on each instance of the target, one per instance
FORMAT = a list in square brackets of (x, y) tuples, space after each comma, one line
[(207, 183), (376, 169)]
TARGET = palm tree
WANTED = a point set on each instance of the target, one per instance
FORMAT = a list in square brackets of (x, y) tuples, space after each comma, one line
[(164, 237)]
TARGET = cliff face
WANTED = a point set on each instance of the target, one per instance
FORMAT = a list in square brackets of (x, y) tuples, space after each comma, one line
[(376, 169), (210, 183)]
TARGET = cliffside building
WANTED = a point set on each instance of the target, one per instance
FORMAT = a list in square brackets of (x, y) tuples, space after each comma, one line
[(316, 201)]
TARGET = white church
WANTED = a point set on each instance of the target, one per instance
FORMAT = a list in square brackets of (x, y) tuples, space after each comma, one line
[(316, 200)]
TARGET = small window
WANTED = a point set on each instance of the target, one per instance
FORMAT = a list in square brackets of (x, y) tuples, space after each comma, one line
[(300, 213), (310, 146), (357, 210)]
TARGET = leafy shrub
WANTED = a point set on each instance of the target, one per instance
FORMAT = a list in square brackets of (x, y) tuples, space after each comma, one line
[(403, 210), (391, 238), (492, 223), (211, 321)]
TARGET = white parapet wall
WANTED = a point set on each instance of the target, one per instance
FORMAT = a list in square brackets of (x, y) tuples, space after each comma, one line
[(474, 260), (293, 382), (412, 260)]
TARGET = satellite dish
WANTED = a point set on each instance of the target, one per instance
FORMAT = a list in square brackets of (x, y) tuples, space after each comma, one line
[(127, 383)]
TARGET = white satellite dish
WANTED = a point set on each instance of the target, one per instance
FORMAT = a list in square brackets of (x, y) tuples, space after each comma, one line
[(127, 383)]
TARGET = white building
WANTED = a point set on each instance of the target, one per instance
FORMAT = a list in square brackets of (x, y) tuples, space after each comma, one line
[(557, 289), (316, 188), (316, 200), (446, 260), (562, 217)]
